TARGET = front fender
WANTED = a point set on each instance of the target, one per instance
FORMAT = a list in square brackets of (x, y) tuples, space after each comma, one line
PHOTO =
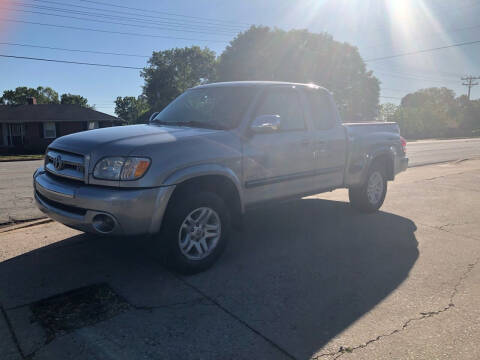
[(194, 171)]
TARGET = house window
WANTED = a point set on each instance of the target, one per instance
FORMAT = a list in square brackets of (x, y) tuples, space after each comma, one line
[(49, 130), (14, 134), (92, 125)]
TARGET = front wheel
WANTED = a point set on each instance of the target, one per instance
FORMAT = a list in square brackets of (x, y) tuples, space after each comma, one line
[(370, 196), (194, 232)]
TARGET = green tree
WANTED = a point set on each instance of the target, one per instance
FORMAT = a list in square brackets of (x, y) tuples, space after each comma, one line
[(130, 108), (71, 99), (441, 98), (19, 96), (428, 113), (387, 111), (171, 72), (468, 116), (261, 53)]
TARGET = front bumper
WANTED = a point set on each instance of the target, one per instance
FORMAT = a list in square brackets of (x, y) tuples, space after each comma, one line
[(75, 204)]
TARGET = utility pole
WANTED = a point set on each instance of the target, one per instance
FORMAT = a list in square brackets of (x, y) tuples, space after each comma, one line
[(469, 82)]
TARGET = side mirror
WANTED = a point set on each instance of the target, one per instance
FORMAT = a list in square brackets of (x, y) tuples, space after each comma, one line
[(266, 124), (153, 116)]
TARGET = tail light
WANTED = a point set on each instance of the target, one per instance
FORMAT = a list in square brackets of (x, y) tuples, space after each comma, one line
[(404, 144)]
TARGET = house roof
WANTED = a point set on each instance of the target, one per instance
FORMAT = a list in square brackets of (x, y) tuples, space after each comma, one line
[(51, 112)]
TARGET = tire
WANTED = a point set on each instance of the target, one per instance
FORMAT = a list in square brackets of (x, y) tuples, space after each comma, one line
[(188, 230), (370, 199)]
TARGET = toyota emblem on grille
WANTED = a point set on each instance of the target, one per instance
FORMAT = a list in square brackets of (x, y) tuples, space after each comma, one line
[(57, 162)]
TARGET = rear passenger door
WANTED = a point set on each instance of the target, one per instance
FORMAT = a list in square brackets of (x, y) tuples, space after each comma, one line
[(328, 138), (279, 164)]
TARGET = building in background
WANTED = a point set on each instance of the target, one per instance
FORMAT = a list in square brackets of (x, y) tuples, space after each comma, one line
[(31, 127)]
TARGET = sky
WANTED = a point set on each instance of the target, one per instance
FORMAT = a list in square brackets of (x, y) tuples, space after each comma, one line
[(379, 28)]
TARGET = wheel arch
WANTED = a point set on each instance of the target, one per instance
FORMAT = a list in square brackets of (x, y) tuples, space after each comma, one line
[(212, 177), (387, 160)]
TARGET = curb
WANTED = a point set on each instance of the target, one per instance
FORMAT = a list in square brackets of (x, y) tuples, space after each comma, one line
[(17, 160), (23, 225)]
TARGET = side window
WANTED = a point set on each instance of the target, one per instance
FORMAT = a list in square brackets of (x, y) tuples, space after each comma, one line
[(49, 130), (321, 109), (286, 104), (92, 125)]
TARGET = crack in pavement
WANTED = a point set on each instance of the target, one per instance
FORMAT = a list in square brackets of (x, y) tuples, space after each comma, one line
[(443, 228), (424, 315)]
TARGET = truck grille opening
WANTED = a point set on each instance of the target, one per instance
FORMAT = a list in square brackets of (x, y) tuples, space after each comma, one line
[(65, 164)]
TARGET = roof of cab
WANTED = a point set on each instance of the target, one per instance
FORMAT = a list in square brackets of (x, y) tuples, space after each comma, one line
[(257, 84)]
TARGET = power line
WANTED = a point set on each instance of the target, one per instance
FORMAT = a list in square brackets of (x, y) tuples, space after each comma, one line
[(73, 50), (111, 32), (153, 20), (191, 19), (429, 35), (158, 12), (423, 51), (71, 62), (437, 73), (469, 83), (407, 77), (102, 65), (218, 32)]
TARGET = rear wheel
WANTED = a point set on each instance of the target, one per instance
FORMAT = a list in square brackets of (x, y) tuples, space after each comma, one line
[(370, 196), (194, 232)]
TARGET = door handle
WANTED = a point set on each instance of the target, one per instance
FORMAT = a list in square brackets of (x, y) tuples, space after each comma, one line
[(321, 147)]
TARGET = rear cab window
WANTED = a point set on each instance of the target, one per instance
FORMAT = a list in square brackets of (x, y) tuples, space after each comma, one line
[(322, 111)]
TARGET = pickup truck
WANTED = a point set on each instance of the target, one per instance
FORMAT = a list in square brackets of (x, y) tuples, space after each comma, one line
[(210, 155)]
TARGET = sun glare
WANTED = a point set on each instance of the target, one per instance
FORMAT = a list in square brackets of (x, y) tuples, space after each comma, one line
[(413, 25)]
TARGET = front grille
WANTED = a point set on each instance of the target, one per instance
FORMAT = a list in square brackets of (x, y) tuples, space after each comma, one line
[(65, 164)]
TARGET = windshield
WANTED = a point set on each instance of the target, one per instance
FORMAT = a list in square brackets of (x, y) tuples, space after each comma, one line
[(214, 107)]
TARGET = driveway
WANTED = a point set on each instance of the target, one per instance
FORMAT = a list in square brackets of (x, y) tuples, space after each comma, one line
[(308, 279)]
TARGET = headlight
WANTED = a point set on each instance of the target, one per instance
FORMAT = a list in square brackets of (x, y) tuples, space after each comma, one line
[(121, 168)]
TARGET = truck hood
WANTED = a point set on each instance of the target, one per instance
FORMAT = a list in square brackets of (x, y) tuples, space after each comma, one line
[(122, 140)]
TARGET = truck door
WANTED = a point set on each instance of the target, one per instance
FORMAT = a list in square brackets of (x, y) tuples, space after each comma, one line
[(329, 139), (280, 163)]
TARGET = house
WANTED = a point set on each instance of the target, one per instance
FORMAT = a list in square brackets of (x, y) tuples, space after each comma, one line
[(29, 128)]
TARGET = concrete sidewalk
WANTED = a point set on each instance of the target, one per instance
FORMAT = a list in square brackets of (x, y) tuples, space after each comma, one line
[(309, 279)]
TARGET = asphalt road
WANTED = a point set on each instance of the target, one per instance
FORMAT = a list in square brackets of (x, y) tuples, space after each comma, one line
[(16, 177), (435, 151), (310, 279)]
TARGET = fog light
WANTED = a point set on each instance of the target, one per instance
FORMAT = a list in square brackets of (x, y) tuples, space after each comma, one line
[(103, 223)]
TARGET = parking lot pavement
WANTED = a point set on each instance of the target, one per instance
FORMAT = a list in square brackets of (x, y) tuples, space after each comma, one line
[(16, 191), (308, 279)]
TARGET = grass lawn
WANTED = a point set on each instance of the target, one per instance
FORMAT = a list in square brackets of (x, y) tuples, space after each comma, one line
[(20, 157)]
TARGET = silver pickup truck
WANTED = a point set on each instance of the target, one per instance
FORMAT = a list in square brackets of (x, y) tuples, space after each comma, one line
[(214, 152)]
